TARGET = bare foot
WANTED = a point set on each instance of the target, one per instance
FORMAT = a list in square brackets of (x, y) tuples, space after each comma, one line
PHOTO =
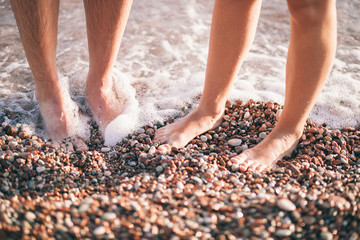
[(265, 155), (104, 103), (60, 117), (179, 133)]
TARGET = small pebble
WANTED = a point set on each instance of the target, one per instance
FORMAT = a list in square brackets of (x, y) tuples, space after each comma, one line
[(40, 169), (283, 233), (99, 231), (105, 149), (108, 216), (30, 216), (234, 142), (262, 135), (203, 138), (285, 204), (326, 236), (247, 115)]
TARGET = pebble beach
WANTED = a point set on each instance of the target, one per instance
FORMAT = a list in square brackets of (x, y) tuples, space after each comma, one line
[(132, 191)]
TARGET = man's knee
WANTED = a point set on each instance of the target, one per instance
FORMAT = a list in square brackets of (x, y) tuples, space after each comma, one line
[(309, 11)]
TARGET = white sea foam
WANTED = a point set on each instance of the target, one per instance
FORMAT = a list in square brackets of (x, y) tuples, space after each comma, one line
[(127, 121), (163, 55)]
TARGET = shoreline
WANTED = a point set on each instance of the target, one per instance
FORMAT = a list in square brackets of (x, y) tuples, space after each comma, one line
[(132, 191)]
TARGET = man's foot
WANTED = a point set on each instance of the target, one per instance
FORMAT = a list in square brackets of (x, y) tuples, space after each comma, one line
[(60, 117), (104, 103), (265, 155), (179, 133)]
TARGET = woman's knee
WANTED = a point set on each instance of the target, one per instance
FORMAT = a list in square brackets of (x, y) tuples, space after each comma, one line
[(310, 11)]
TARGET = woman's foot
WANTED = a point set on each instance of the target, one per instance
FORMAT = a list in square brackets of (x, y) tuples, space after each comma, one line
[(179, 133), (264, 156)]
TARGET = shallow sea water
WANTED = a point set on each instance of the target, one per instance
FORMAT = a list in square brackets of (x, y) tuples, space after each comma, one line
[(163, 58)]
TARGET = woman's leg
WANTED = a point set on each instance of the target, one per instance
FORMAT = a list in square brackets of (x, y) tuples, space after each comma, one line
[(232, 33), (106, 21), (310, 57)]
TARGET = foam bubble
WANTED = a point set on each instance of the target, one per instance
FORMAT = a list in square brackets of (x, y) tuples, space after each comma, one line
[(128, 120)]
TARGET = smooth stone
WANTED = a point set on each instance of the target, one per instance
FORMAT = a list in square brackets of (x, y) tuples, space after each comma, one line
[(159, 169), (30, 216), (84, 207), (285, 204), (203, 138), (108, 216), (262, 135), (247, 115), (40, 169), (13, 144), (140, 130), (105, 149), (180, 185), (235, 167), (99, 231), (326, 236), (152, 150), (107, 173), (234, 142), (283, 233)]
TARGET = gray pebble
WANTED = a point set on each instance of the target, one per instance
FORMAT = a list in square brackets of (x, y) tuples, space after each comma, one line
[(326, 236), (203, 138), (159, 169), (105, 149), (234, 142), (262, 135), (283, 233), (40, 169)]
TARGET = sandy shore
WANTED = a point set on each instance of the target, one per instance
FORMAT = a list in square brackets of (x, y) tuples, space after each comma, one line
[(130, 191)]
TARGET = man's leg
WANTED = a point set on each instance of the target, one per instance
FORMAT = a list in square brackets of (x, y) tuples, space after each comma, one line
[(232, 33), (310, 57), (37, 23), (105, 21)]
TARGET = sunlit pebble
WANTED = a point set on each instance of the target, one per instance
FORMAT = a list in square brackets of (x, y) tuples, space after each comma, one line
[(285, 204), (180, 185), (246, 115), (99, 231), (108, 216), (152, 150), (234, 142), (129, 187), (40, 169)]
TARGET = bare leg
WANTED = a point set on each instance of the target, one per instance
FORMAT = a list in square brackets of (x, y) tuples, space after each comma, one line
[(105, 21), (232, 33), (311, 53), (37, 23)]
